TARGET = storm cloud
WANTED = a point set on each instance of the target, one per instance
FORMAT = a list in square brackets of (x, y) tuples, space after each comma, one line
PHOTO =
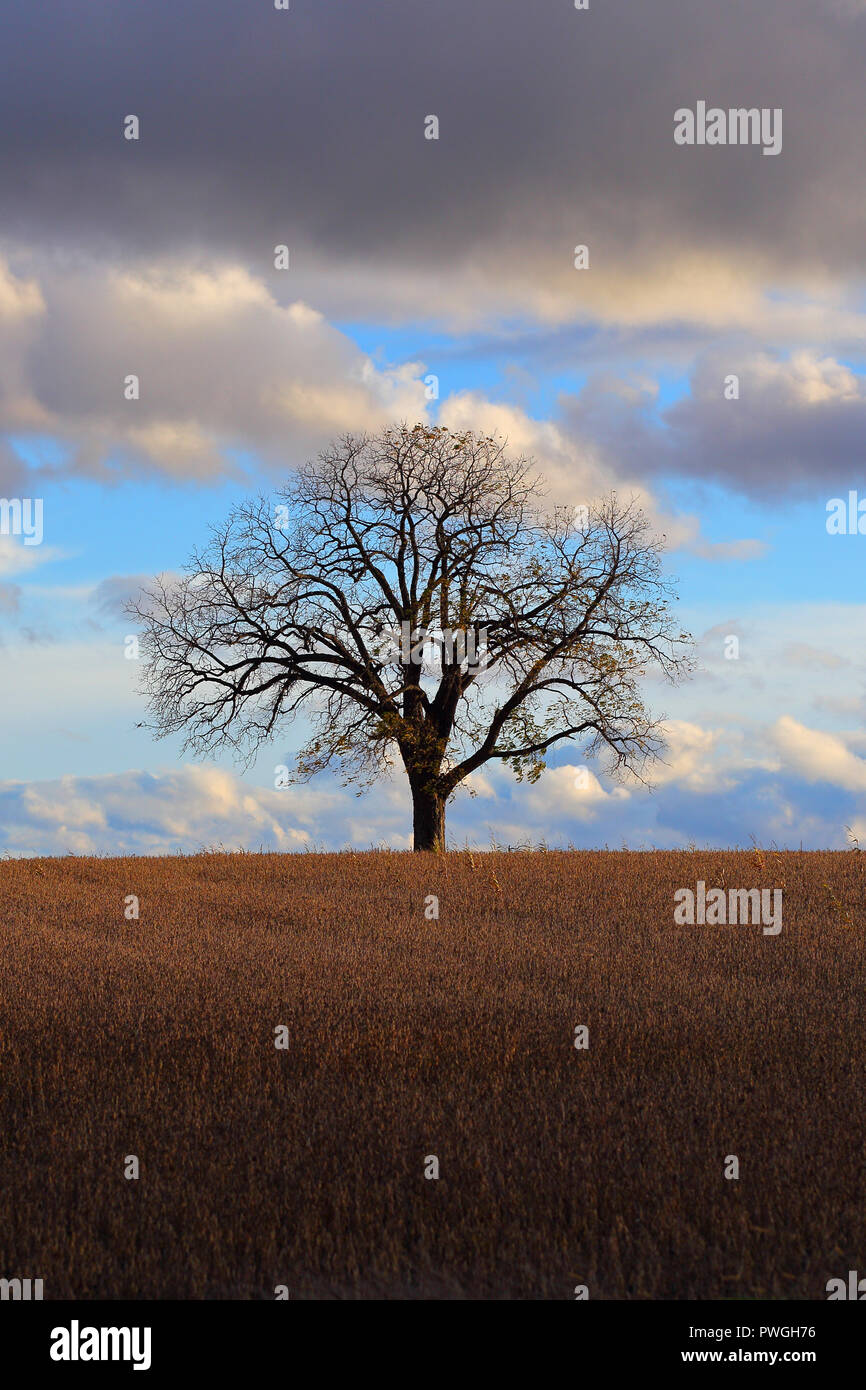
[(306, 127)]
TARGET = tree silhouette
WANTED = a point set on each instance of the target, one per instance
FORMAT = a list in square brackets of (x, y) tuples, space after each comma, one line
[(410, 595)]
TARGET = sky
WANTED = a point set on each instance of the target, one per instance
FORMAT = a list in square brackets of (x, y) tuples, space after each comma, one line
[(452, 260)]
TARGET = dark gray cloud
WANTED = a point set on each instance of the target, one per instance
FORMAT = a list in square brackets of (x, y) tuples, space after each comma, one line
[(112, 594), (799, 420), (260, 126)]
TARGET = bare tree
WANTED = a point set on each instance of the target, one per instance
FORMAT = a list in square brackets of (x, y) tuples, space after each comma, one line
[(409, 594)]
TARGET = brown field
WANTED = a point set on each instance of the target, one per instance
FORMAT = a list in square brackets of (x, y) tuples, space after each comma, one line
[(411, 1037)]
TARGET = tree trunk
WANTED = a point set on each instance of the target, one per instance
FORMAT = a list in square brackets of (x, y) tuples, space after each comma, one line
[(428, 821)]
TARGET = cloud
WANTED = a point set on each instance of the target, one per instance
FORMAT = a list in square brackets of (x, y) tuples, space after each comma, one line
[(556, 127), (817, 756), (802, 654), (798, 420), (573, 790), (195, 807), (576, 471), (10, 598), (223, 367), (18, 558), (143, 813), (220, 365), (20, 299), (111, 595), (691, 759)]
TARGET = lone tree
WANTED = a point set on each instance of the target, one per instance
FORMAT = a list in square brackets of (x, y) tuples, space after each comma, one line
[(409, 594)]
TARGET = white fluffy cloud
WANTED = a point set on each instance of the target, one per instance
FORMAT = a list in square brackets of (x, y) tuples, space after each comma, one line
[(818, 756), (694, 759), (195, 807), (145, 813), (16, 558), (571, 792), (221, 366)]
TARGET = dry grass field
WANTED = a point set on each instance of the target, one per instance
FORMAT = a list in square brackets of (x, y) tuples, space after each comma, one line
[(411, 1037)]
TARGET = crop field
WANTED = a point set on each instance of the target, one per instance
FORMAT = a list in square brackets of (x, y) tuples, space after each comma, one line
[(412, 1042)]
